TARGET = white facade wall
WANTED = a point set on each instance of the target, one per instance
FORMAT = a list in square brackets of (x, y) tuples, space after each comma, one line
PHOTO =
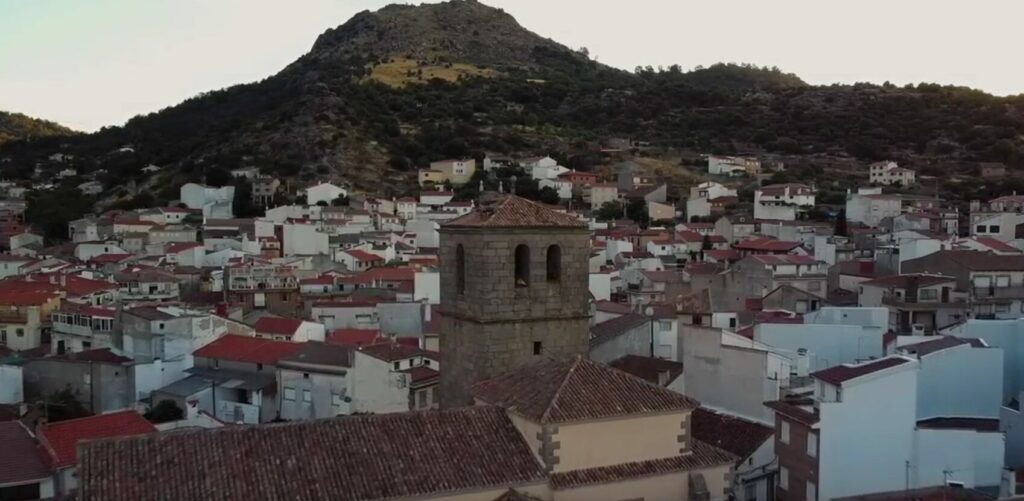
[(968, 456), (961, 382), (304, 240), (214, 202), (427, 287), (733, 379), (601, 286), (324, 192), (860, 453), (564, 188), (11, 384), (826, 345), (376, 387), (1005, 334)]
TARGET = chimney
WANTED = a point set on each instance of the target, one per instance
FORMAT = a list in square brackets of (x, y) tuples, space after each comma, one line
[(426, 312)]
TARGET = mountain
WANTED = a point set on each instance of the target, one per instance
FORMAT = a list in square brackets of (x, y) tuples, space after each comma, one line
[(15, 126), (391, 90)]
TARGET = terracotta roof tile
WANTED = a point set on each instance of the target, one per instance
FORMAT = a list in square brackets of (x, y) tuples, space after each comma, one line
[(700, 457), (277, 325), (19, 458), (647, 368), (60, 440), (576, 389), (842, 373), (247, 349), (510, 211), (387, 456), (738, 436)]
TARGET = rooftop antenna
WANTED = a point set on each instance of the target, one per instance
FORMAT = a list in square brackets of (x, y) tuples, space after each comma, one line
[(501, 186)]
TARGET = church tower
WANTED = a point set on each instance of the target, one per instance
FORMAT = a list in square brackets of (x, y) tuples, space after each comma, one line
[(514, 288)]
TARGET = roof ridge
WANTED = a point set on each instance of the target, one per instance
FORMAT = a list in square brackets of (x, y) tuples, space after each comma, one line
[(558, 393)]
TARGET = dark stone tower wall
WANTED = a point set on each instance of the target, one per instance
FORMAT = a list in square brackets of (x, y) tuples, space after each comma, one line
[(493, 325)]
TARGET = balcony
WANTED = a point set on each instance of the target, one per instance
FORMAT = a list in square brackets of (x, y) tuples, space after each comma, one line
[(919, 304), (982, 293)]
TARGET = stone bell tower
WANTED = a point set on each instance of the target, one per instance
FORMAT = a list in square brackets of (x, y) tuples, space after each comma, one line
[(514, 287)]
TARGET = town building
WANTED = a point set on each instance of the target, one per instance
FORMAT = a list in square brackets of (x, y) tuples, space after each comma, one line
[(888, 173)]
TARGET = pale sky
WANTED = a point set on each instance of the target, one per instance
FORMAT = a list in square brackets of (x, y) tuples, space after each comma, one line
[(91, 63)]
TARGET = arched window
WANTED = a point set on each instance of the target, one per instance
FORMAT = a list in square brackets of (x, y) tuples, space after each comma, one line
[(460, 269), (554, 263), (522, 266)]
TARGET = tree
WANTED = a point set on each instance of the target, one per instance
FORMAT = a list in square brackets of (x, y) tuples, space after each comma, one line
[(636, 210), (840, 228), (218, 176), (63, 405), (548, 195), (241, 204), (164, 411), (609, 211)]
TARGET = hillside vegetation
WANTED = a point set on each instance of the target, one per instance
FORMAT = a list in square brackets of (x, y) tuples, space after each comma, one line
[(347, 110), (15, 126)]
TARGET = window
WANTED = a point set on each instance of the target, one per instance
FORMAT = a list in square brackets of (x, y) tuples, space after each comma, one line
[(801, 306), (307, 396), (993, 228), (336, 399), (398, 365), (259, 366), (732, 322), (460, 269), (421, 397), (537, 347), (1002, 281), (980, 229), (522, 266), (812, 491), (554, 263), (812, 444), (305, 375), (426, 362), (927, 294), (289, 393), (664, 325), (783, 478), (19, 332), (3, 333), (1002, 308), (784, 431), (983, 281)]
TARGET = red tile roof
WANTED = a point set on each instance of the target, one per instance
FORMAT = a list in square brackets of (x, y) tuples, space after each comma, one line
[(60, 439), (353, 337), (510, 211), (363, 256), (842, 373), (407, 455), (783, 259), (701, 456), (939, 343), (649, 369), (996, 244), (390, 352), (99, 355), (247, 349), (80, 286), (576, 389), (182, 247), (766, 244), (25, 298), (736, 435), (322, 280), (20, 459), (277, 325), (110, 258)]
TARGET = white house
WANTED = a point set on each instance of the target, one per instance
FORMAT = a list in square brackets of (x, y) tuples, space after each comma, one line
[(733, 166), (563, 188), (214, 202), (699, 202), (889, 173), (782, 201), (324, 192)]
